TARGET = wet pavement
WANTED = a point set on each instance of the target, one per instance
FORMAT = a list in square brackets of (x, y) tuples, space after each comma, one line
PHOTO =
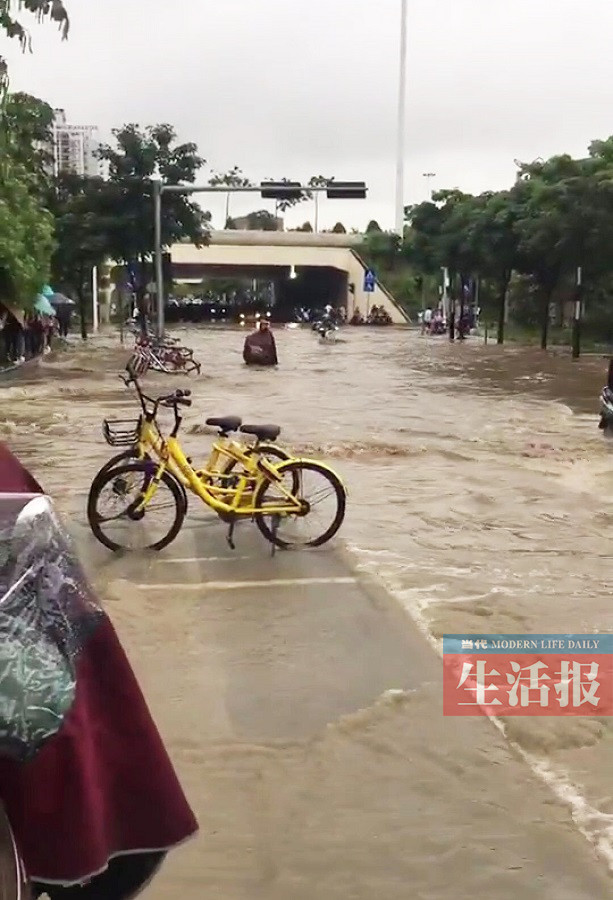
[(479, 499)]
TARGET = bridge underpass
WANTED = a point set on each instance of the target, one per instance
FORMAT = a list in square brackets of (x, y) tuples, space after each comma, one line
[(327, 267), (310, 287)]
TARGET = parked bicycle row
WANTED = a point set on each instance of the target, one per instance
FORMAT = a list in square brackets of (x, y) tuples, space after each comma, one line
[(165, 354), (247, 477)]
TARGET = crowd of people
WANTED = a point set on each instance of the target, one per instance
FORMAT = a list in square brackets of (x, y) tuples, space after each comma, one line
[(433, 321), (376, 316), (30, 336)]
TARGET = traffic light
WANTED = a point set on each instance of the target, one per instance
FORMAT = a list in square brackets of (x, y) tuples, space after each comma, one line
[(281, 190), (346, 190)]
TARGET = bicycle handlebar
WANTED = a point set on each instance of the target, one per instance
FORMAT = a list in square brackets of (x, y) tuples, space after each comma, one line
[(172, 401)]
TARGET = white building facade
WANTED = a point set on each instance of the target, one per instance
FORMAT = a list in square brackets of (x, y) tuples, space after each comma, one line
[(75, 147)]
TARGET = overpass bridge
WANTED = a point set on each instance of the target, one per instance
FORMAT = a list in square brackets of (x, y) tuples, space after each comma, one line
[(327, 267)]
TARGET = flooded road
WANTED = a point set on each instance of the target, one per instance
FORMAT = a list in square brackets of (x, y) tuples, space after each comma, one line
[(480, 495)]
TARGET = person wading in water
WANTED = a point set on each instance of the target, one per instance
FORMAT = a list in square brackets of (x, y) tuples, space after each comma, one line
[(260, 348)]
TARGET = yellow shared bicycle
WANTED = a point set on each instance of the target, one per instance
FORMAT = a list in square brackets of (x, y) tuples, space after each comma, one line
[(143, 439), (285, 500)]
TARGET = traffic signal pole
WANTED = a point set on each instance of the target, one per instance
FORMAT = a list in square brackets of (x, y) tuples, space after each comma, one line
[(273, 190)]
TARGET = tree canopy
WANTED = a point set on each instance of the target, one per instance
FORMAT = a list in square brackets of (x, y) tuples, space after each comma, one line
[(556, 218), (52, 10), (26, 236), (262, 220), (28, 125), (26, 225), (137, 156)]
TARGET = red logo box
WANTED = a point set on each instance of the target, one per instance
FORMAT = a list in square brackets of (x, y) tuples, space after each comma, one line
[(522, 684)]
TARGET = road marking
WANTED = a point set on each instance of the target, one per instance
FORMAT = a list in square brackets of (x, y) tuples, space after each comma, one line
[(198, 559), (238, 585)]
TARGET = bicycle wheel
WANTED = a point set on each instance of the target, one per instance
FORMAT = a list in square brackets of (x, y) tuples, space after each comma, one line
[(114, 461), (127, 456), (124, 526), (325, 518)]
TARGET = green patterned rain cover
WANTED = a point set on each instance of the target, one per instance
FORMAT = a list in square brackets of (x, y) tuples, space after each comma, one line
[(46, 614)]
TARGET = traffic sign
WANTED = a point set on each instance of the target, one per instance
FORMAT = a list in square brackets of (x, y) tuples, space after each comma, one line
[(370, 281)]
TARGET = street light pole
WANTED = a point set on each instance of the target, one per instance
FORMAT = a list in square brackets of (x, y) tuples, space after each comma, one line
[(402, 102), (429, 176), (159, 275)]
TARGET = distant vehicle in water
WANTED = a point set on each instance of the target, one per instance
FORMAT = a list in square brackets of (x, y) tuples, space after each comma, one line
[(606, 404)]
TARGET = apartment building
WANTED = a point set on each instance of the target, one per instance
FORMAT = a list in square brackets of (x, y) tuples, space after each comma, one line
[(74, 147)]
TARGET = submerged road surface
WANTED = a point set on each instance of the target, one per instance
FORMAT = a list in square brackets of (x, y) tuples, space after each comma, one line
[(300, 703)]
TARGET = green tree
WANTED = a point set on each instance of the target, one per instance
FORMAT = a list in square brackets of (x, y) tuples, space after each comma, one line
[(339, 228), (26, 227), (26, 237), (381, 249), (287, 202), (52, 10), (235, 177), (495, 245), (373, 225), (82, 236), (262, 220), (27, 122), (127, 202), (306, 227), (551, 227), (422, 245)]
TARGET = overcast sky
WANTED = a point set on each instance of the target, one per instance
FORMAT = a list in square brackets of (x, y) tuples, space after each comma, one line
[(301, 87)]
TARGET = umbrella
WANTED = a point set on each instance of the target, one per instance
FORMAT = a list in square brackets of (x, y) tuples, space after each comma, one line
[(42, 305), (61, 300), (17, 313)]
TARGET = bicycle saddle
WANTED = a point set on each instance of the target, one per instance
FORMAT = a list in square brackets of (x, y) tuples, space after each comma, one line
[(226, 424), (262, 432)]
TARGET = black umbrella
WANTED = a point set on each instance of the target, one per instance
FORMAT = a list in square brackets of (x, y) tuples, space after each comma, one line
[(60, 300)]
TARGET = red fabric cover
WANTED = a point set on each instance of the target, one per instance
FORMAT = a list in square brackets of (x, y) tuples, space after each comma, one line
[(15, 478), (104, 784)]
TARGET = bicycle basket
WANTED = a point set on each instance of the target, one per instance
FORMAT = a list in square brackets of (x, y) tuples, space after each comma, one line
[(121, 432)]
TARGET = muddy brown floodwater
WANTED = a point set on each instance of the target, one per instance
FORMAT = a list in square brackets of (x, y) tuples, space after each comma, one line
[(481, 491)]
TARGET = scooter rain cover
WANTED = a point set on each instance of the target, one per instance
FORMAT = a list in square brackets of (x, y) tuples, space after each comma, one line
[(46, 615)]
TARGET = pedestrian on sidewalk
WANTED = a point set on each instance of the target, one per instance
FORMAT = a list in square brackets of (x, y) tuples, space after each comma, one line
[(13, 337)]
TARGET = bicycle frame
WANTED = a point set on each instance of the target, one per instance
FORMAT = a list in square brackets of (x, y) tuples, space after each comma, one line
[(252, 474), (151, 441)]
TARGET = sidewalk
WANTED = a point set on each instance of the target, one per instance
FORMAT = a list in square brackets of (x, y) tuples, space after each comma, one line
[(303, 711)]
